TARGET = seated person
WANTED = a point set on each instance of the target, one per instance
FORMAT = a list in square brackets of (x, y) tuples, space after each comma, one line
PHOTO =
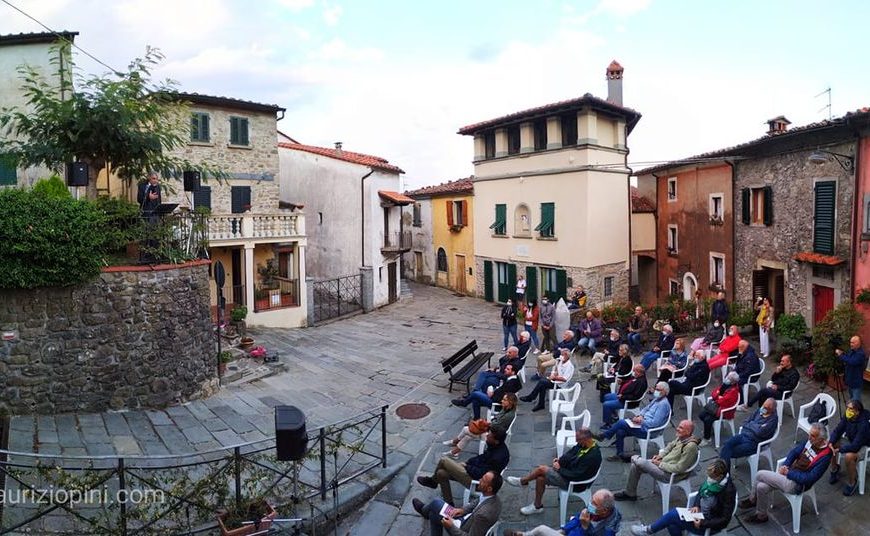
[(676, 459), (562, 373), (727, 348), (725, 396), (580, 462), (803, 466), (622, 368), (611, 350), (590, 331), (715, 500), (546, 361), (665, 342), (601, 518), (494, 458), (852, 433), (631, 388), (675, 361), (578, 299), (785, 378), (653, 415), (697, 374), (760, 426), (474, 518), (500, 421), (637, 325), (511, 384), (747, 363), (495, 375), (713, 335), (524, 344)]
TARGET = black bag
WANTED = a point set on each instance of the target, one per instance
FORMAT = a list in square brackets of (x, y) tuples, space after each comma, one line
[(817, 412), (712, 407)]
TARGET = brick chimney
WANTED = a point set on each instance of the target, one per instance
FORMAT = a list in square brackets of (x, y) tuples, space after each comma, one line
[(614, 83), (338, 146), (777, 125)]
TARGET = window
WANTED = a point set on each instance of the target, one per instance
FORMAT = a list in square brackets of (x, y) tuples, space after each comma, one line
[(672, 189), (540, 131), (569, 130), (547, 227), (757, 206), (548, 281), (240, 197), (320, 218), (501, 269), (522, 220), (457, 213), (202, 197), (717, 270), (717, 207), (673, 239), (199, 130), (608, 287), (513, 139), (8, 171), (489, 145), (866, 214), (824, 217), (499, 226), (673, 287), (286, 265), (441, 260), (239, 131), (418, 218)]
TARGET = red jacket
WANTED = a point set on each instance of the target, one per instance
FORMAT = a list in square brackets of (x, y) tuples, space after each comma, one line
[(533, 316), (726, 400), (729, 345)]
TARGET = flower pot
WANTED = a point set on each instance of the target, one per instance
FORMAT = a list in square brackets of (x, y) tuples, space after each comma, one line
[(265, 524), (246, 343)]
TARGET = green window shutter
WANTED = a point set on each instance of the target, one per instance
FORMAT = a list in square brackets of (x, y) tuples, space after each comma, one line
[(548, 219), (823, 231), (243, 127), (511, 278), (561, 285), (746, 198), (194, 127), (768, 205), (8, 171), (234, 130), (204, 128), (531, 283), (499, 225), (487, 280)]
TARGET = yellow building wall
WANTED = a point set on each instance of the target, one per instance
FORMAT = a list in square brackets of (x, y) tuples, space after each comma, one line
[(460, 243)]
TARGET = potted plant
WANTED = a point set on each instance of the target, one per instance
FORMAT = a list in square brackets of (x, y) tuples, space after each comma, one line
[(863, 296), (268, 274), (791, 335), (833, 332), (237, 316), (225, 357), (246, 342), (250, 517)]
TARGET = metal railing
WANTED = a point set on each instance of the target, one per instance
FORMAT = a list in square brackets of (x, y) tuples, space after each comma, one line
[(169, 494), (397, 241), (174, 237), (337, 297), (286, 295)]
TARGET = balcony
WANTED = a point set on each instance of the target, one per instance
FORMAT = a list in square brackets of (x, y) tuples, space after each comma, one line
[(398, 242), (233, 229)]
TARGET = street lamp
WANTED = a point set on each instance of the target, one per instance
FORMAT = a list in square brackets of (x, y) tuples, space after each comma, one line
[(820, 156)]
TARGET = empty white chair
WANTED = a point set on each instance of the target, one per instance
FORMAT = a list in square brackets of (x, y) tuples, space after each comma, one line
[(565, 495), (697, 394), (787, 398), (684, 484), (803, 413), (654, 435), (754, 380), (796, 500), (564, 403), (763, 448), (707, 532), (565, 438)]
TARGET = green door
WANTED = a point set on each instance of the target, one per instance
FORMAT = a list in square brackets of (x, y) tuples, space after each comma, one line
[(487, 280), (531, 283), (505, 284)]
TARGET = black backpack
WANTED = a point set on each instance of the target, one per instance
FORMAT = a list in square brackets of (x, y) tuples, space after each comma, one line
[(817, 412)]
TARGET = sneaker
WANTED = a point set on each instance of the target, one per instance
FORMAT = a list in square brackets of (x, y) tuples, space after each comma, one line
[(848, 490), (418, 506), (742, 408), (531, 509), (623, 496), (514, 481), (834, 478), (458, 402), (449, 442), (704, 443), (450, 454), (538, 407), (536, 352), (640, 530), (746, 503), (427, 481)]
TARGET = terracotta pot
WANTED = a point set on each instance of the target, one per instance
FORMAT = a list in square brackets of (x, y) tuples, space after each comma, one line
[(222, 368), (265, 524)]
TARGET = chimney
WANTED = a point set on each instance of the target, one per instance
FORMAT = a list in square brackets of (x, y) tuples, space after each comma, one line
[(338, 146), (777, 125), (614, 83)]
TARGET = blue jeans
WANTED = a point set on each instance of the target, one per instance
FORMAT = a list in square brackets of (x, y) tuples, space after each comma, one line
[(854, 393), (634, 342), (432, 511), (586, 342), (512, 331), (477, 399), (648, 359), (609, 408), (738, 446), (621, 430), (534, 335), (485, 379), (673, 523)]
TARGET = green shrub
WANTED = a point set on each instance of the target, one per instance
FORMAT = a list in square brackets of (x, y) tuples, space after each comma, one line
[(122, 222), (239, 313), (741, 314), (52, 187), (790, 326), (48, 241), (834, 332)]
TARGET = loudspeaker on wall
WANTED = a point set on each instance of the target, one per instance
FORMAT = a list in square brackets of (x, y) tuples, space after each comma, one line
[(77, 174)]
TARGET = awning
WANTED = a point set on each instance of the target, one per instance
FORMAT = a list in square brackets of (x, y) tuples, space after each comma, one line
[(395, 197), (817, 258)]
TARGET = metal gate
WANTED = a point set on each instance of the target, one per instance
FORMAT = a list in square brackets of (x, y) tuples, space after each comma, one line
[(337, 297)]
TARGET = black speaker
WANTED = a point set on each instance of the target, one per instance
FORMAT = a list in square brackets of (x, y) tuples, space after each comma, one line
[(77, 174), (191, 181), (291, 438)]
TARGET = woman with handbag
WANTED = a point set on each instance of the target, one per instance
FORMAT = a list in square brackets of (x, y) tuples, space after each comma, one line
[(477, 427), (765, 322), (724, 396)]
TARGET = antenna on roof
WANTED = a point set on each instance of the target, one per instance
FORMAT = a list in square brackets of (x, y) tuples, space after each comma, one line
[(827, 106)]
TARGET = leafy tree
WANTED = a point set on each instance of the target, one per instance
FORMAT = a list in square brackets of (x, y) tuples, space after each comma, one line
[(121, 121), (51, 187)]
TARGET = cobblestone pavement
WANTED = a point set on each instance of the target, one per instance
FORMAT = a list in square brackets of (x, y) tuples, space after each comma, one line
[(386, 357)]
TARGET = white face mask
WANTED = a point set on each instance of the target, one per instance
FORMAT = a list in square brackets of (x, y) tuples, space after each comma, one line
[(657, 394), (711, 480), (716, 324)]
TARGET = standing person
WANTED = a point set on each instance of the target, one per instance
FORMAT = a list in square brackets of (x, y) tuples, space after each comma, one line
[(765, 322), (548, 328), (854, 431), (521, 289), (149, 197), (719, 309), (509, 323), (855, 361), (532, 316), (636, 326)]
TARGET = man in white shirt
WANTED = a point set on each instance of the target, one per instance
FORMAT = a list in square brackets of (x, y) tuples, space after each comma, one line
[(562, 373)]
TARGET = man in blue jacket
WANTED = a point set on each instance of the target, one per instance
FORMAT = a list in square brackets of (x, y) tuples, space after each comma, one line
[(804, 465), (653, 415), (854, 430), (855, 362), (761, 426), (747, 363), (600, 518)]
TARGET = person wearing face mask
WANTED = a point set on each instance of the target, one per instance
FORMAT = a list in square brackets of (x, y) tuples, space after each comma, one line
[(725, 396), (547, 319), (509, 323), (852, 433), (653, 415), (719, 309), (715, 499), (531, 314), (599, 518), (760, 426), (665, 342), (631, 388), (697, 374), (714, 334), (675, 361), (675, 459), (804, 465), (727, 348), (596, 366), (474, 518)]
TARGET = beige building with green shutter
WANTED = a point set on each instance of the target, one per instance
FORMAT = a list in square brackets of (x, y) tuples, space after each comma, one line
[(551, 198)]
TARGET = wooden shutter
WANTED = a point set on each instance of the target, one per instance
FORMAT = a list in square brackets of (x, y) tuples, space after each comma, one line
[(449, 213), (464, 212), (823, 232), (234, 130), (487, 280), (561, 285), (511, 278), (202, 197), (243, 127), (746, 198), (531, 283), (204, 134), (768, 205), (240, 197)]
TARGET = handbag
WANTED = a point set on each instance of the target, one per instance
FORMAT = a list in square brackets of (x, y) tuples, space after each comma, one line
[(478, 426), (711, 407)]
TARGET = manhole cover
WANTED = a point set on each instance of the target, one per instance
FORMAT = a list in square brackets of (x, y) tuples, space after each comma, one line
[(412, 411)]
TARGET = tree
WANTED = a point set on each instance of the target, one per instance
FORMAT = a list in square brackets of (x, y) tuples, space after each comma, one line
[(121, 121)]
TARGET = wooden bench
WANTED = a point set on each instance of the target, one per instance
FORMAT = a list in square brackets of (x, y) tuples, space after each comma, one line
[(462, 373)]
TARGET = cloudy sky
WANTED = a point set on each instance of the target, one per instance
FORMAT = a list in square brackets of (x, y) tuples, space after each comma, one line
[(398, 78)]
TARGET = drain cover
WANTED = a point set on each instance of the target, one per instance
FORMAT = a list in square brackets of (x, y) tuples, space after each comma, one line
[(412, 411)]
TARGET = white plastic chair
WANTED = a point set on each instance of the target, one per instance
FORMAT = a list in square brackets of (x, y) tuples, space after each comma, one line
[(717, 424), (491, 412), (493, 530), (723, 531), (565, 438), (565, 495), (563, 403), (698, 393), (677, 372), (684, 484), (613, 385), (663, 356), (472, 488), (762, 448), (653, 435), (625, 406), (732, 359), (796, 500), (753, 380), (804, 410), (862, 467), (787, 398)]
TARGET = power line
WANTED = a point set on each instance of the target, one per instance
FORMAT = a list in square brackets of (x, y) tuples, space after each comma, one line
[(62, 38)]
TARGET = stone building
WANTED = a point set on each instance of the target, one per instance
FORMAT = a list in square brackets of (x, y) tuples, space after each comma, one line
[(551, 192), (643, 248), (420, 267)]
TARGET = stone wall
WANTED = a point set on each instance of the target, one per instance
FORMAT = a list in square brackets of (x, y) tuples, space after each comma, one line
[(134, 338)]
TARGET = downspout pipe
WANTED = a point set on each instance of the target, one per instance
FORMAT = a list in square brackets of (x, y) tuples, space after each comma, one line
[(362, 211), (733, 167), (856, 225)]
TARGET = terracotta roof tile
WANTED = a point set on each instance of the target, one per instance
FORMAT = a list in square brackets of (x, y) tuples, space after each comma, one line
[(460, 186), (640, 203), (818, 258), (395, 197), (348, 156)]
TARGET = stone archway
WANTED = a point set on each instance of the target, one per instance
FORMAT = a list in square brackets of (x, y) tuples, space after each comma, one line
[(690, 286)]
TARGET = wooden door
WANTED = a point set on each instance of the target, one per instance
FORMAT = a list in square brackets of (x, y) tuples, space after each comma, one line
[(418, 262), (391, 283), (823, 301), (460, 274)]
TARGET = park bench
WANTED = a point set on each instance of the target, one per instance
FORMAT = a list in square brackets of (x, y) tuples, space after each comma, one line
[(462, 373)]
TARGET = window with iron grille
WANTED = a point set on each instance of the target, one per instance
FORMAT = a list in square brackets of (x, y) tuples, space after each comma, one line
[(608, 287)]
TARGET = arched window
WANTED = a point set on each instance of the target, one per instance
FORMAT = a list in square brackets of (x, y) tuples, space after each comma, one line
[(441, 261), (522, 220)]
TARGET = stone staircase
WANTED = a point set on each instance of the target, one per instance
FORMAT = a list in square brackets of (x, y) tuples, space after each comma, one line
[(405, 290)]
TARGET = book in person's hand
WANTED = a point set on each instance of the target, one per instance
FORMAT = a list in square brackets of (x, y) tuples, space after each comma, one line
[(448, 511), (631, 423), (687, 515)]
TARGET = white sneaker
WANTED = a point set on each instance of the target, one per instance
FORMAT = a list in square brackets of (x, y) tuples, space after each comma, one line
[(449, 442), (531, 509), (639, 530), (514, 481), (742, 408), (450, 454), (536, 352), (704, 443)]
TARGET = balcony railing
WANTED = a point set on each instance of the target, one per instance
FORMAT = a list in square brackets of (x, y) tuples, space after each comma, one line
[(255, 226), (286, 294), (396, 242)]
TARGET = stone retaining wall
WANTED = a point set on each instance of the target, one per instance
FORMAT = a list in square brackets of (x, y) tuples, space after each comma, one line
[(137, 337)]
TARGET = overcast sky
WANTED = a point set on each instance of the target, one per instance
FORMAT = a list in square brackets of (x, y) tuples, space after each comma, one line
[(397, 78)]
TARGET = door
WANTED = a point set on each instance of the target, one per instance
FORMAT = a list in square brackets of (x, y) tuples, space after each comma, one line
[(391, 284), (823, 301), (418, 263), (238, 286), (460, 274)]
